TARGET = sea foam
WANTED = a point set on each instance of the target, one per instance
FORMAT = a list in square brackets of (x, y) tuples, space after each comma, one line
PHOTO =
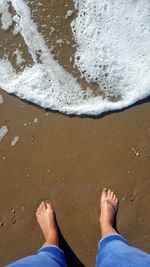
[(3, 132), (6, 16), (112, 50)]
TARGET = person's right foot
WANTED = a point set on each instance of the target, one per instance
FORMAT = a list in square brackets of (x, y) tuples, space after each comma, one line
[(46, 219), (109, 206)]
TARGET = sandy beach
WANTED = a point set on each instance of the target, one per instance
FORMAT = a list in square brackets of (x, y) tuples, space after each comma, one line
[(68, 159)]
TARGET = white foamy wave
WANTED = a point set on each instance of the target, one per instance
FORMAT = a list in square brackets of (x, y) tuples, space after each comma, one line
[(3, 132), (113, 50), (100, 54), (41, 85), (6, 16), (19, 58), (46, 84)]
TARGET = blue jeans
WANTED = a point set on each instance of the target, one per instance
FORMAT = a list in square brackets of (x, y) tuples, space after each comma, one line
[(113, 251), (47, 256)]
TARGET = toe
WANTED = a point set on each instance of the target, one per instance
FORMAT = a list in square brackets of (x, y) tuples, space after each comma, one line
[(112, 195), (104, 194), (49, 205), (114, 198), (109, 193), (39, 209), (117, 201), (43, 206), (37, 212)]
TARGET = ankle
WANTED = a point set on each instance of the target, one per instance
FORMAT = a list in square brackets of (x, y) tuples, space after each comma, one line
[(52, 240), (51, 243), (106, 230), (105, 222)]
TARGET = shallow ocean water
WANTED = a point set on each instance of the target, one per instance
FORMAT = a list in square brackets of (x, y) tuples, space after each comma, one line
[(81, 57)]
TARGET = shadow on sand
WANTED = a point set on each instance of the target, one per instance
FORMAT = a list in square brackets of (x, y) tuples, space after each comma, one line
[(71, 258)]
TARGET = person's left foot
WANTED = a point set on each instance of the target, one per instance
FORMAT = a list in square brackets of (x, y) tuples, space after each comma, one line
[(109, 206), (46, 219)]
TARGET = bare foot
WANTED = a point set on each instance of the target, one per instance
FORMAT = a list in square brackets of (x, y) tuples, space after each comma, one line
[(46, 219), (109, 207)]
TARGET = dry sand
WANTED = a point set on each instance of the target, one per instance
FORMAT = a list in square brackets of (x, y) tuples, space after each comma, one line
[(70, 160)]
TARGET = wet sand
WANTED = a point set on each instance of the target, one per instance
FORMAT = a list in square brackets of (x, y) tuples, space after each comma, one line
[(70, 160)]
